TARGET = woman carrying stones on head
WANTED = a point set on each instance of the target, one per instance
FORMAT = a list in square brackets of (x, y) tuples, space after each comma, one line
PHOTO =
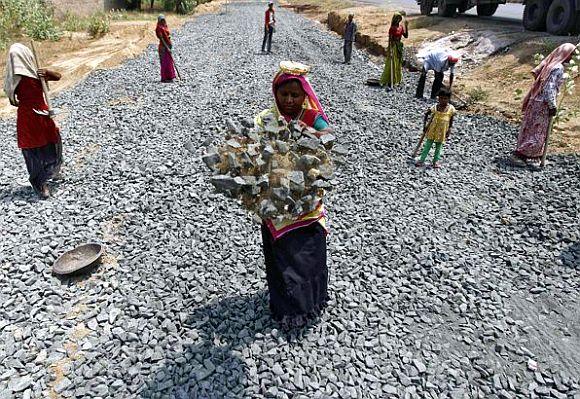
[(393, 72), (295, 249), (540, 106), (165, 46), (37, 134)]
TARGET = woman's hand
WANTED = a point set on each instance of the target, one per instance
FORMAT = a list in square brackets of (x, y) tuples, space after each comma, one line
[(47, 74)]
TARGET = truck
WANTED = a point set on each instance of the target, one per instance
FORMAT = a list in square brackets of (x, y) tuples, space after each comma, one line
[(558, 17)]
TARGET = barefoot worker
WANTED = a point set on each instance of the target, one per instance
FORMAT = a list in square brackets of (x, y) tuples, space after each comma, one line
[(165, 46), (295, 250), (540, 106), (349, 38), (37, 134), (269, 23), (437, 61), (393, 72)]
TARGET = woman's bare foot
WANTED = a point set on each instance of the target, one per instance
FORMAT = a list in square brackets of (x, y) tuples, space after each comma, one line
[(44, 192)]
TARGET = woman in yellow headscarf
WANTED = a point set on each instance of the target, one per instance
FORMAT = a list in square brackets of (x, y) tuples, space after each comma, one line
[(393, 72)]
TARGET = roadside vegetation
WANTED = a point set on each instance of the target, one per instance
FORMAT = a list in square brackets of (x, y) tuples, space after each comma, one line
[(35, 19)]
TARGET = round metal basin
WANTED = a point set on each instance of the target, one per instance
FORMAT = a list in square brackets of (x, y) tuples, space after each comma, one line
[(78, 258)]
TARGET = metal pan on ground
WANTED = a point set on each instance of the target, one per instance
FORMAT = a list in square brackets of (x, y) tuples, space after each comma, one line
[(373, 82), (78, 258)]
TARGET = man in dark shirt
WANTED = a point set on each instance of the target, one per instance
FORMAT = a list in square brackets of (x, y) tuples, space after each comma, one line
[(349, 38)]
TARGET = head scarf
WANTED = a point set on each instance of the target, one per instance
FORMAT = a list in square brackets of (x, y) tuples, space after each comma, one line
[(397, 17), (542, 72), (160, 18), (311, 101), (20, 63)]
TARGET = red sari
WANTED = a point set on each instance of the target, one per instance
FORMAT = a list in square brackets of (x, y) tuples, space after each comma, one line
[(38, 136), (33, 130)]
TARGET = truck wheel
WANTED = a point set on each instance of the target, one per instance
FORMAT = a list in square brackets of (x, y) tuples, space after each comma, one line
[(561, 17), (535, 12), (444, 9), (486, 10), (426, 7), (462, 7)]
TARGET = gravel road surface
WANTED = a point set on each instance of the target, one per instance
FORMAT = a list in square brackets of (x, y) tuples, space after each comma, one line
[(457, 283)]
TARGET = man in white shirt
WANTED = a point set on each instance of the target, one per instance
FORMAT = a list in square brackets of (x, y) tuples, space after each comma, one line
[(437, 61)]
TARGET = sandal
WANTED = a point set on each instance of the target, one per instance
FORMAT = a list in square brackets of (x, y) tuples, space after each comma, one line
[(437, 165), (419, 164)]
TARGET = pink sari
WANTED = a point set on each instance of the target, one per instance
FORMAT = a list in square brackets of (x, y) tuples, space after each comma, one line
[(536, 118), (165, 58)]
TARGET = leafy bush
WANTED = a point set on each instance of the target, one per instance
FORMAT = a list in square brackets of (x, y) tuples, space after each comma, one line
[(478, 94), (98, 25), (32, 17), (39, 23), (168, 5), (181, 6)]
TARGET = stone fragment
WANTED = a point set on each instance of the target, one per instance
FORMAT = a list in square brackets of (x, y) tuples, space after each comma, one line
[(296, 179), (307, 162), (263, 182), (19, 384), (224, 183), (280, 193), (420, 366), (233, 163), (327, 140), (267, 208), (313, 174), (246, 161), (339, 149), (233, 143), (268, 152), (253, 150), (282, 146), (211, 160), (309, 143), (321, 184)]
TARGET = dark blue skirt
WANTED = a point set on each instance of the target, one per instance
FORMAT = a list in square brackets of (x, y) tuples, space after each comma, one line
[(42, 163), (297, 274)]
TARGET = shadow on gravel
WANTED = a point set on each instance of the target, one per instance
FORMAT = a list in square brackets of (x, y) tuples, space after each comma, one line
[(20, 194), (213, 366), (570, 257)]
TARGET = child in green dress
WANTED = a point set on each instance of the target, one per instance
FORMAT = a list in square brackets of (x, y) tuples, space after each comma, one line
[(439, 128)]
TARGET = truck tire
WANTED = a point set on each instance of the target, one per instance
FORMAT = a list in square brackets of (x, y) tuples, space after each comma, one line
[(561, 17), (426, 7), (535, 12), (486, 10), (461, 8), (444, 9)]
